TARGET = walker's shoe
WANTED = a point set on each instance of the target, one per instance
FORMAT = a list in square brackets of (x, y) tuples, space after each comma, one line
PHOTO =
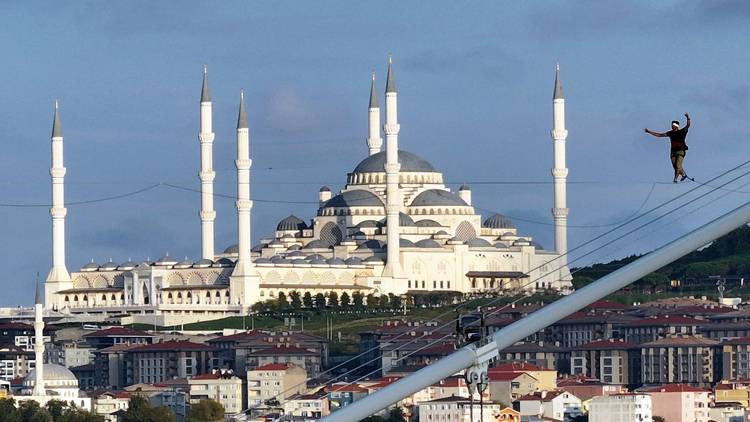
[(675, 180), (685, 176)]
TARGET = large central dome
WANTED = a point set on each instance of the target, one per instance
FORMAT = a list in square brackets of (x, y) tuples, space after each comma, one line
[(410, 163)]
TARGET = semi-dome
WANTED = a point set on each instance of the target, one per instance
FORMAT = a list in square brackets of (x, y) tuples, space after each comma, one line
[(478, 242), (354, 198), (428, 223), (498, 221), (433, 197), (232, 249), (371, 244), (317, 244), (428, 243), (405, 221), (294, 248), (410, 163), (291, 223), (369, 224)]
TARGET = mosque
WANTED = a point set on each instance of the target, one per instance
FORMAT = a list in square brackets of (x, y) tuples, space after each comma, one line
[(393, 228)]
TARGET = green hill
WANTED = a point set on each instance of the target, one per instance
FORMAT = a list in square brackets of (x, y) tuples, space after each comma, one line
[(727, 256)]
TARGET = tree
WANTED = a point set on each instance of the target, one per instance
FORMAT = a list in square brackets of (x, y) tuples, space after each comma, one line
[(320, 301), (206, 411), (307, 300), (372, 301), (281, 301), (396, 415), (383, 301), (658, 419), (296, 301), (344, 300), (30, 411), (8, 411), (140, 410), (333, 299), (56, 408), (357, 299), (395, 301)]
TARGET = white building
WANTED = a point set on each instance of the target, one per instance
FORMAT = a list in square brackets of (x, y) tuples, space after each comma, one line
[(559, 405), (394, 227), (274, 381), (110, 403), (222, 387), (457, 409), (620, 408)]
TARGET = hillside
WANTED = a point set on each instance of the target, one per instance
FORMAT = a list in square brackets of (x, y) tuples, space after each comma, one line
[(728, 256)]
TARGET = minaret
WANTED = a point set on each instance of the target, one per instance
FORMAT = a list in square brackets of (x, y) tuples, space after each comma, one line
[(392, 167), (374, 141), (58, 278), (207, 174), (559, 171), (39, 389), (244, 284)]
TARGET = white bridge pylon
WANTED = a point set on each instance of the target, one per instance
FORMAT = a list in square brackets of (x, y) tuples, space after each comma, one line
[(477, 357)]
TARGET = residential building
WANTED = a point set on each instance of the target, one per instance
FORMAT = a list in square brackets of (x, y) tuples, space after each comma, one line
[(621, 408), (546, 378), (69, 353), (653, 328), (727, 412), (507, 387), (733, 392), (21, 335), (735, 358), (680, 403), (539, 353), (157, 362), (587, 326), (221, 386), (309, 360), (606, 360), (681, 360), (508, 415), (456, 408), (111, 336), (340, 395), (112, 367), (586, 388), (110, 404), (308, 406), (15, 362), (277, 381), (559, 404)]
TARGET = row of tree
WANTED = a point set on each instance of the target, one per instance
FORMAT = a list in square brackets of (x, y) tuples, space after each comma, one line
[(331, 300), (139, 410)]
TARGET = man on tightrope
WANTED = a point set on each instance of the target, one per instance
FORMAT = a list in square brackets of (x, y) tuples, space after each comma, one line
[(678, 147)]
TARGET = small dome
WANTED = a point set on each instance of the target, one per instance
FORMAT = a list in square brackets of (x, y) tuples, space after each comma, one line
[(109, 266), (336, 261), (501, 245), (442, 233), (257, 248), (184, 264), (263, 261), (478, 242), (203, 263), (434, 197), (291, 223), (354, 198), (317, 244), (428, 223), (277, 259), (373, 259), (428, 243), (325, 189), (359, 233), (317, 261), (294, 248), (353, 261), (371, 244), (233, 249), (498, 221), (410, 163), (299, 262), (294, 254), (369, 224), (166, 260), (126, 266), (91, 266), (405, 221), (224, 262), (316, 256), (406, 243)]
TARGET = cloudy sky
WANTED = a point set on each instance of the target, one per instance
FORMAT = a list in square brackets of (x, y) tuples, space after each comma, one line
[(475, 84)]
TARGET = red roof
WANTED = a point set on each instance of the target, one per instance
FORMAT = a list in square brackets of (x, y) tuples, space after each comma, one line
[(118, 332), (665, 320), (676, 388), (537, 396), (611, 344), (16, 326), (505, 376), (346, 388), (173, 346), (272, 367), (517, 367), (741, 340), (281, 350), (606, 304)]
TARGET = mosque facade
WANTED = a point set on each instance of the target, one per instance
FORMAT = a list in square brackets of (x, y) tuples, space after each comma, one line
[(394, 228)]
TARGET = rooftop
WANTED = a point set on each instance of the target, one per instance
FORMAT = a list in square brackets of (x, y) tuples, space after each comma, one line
[(174, 346)]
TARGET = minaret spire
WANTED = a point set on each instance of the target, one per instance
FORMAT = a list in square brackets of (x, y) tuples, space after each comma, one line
[(206, 137), (39, 389), (374, 141), (559, 177), (244, 282), (392, 168), (58, 278)]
